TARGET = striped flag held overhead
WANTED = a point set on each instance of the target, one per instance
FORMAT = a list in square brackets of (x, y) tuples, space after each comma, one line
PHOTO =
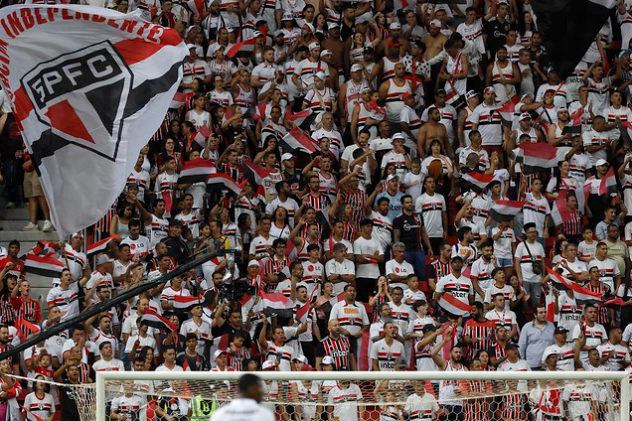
[(302, 120), (582, 294), (276, 304), (101, 246), (608, 185), (44, 265), (476, 181), (255, 173), (506, 210), (155, 320), (196, 170), (296, 141), (243, 48), (180, 100), (537, 157), (224, 182)]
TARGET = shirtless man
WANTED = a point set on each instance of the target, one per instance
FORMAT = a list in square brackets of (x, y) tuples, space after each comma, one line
[(395, 40), (430, 131), (336, 46), (434, 41)]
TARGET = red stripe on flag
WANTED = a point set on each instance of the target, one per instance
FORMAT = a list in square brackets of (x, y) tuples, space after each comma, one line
[(101, 245), (138, 49)]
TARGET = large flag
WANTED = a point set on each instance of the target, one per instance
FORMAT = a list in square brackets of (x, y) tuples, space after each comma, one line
[(302, 120), (44, 265), (505, 210), (255, 173), (537, 157), (507, 110), (581, 294), (453, 305), (88, 86), (155, 320), (276, 304), (197, 7), (242, 49), (101, 246), (608, 185), (476, 181), (196, 170), (296, 141), (558, 18), (560, 212), (223, 182)]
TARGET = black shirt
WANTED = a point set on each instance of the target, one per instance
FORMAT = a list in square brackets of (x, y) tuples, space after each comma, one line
[(496, 34), (410, 227), (177, 249)]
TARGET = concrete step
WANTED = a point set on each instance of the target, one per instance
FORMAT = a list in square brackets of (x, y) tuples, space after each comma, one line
[(16, 224), (39, 282), (27, 236), (21, 214)]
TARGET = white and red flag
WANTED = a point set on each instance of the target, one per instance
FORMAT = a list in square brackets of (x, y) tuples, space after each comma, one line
[(224, 182), (506, 210), (88, 86), (242, 49), (476, 180), (537, 157), (581, 294), (608, 185), (196, 170), (277, 304), (296, 141)]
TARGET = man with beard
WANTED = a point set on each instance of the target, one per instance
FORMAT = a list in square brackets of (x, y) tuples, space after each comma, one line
[(432, 130)]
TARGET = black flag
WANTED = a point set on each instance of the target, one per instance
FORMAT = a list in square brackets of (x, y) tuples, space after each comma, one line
[(569, 27)]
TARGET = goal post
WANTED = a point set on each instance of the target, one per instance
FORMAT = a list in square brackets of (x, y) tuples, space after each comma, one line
[(612, 387)]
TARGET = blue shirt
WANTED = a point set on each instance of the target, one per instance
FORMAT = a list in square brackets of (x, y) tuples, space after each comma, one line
[(533, 341), (394, 205)]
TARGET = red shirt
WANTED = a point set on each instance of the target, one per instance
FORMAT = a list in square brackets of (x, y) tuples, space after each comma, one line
[(18, 265)]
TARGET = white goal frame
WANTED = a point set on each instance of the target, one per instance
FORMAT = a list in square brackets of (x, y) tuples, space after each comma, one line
[(621, 377)]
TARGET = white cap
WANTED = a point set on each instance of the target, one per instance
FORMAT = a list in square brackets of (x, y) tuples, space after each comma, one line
[(436, 23), (333, 26), (391, 177), (301, 358), (356, 67), (189, 46), (218, 353), (287, 156), (267, 365), (309, 25), (470, 94), (77, 234), (213, 48), (397, 136), (287, 16), (361, 19), (320, 75), (394, 25), (313, 45), (489, 89), (253, 263), (527, 95), (524, 116), (103, 258), (601, 162), (327, 360), (547, 353), (324, 53)]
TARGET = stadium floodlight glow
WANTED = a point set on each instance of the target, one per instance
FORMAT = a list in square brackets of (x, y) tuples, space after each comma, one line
[(189, 384)]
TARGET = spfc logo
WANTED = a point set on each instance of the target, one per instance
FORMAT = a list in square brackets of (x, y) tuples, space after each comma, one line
[(81, 96)]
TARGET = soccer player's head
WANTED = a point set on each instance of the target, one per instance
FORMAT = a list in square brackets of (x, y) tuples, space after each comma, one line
[(250, 387)]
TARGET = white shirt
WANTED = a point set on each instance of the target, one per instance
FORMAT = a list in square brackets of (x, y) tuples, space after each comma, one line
[(399, 269), (537, 252), (595, 336), (421, 407), (113, 365), (345, 400), (520, 365), (351, 316), (346, 267), (243, 410), (461, 288), (364, 246), (565, 356), (608, 270), (386, 355), (431, 209)]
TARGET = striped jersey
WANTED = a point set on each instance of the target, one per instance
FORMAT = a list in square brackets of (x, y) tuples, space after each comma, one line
[(338, 349)]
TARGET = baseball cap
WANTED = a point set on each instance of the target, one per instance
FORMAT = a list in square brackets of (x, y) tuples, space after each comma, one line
[(287, 156), (624, 52), (309, 25), (355, 68), (314, 45), (562, 109), (527, 95), (277, 33), (333, 26), (489, 89), (287, 16), (104, 258), (391, 177), (436, 23), (398, 136), (320, 75), (218, 353), (253, 263), (301, 358), (77, 234), (324, 53), (268, 365), (601, 162), (524, 116), (394, 25), (189, 46), (361, 19), (560, 329), (547, 353), (327, 360), (470, 94)]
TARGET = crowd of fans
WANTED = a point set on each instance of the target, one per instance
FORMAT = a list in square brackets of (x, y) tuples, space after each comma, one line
[(378, 232)]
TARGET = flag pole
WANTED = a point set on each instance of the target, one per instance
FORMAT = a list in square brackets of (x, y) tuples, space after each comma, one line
[(107, 305)]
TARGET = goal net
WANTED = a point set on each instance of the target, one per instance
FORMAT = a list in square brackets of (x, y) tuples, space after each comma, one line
[(389, 396)]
